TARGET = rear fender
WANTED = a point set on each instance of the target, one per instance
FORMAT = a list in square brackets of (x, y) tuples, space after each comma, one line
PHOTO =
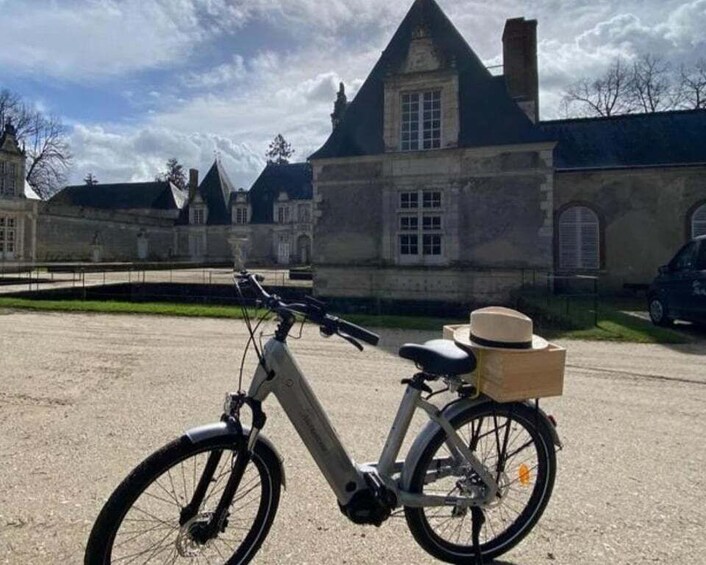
[(230, 430), (449, 412)]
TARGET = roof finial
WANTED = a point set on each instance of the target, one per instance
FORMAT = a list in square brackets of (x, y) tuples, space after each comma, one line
[(9, 127), (339, 106)]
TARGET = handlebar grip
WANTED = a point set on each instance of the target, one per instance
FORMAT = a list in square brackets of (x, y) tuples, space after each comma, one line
[(358, 332)]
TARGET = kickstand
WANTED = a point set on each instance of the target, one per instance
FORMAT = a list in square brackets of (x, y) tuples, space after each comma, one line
[(478, 519)]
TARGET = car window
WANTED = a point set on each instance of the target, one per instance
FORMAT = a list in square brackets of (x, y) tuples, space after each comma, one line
[(701, 257), (684, 260)]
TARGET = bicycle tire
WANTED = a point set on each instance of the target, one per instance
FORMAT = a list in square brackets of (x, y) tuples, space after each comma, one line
[(492, 547), (100, 546)]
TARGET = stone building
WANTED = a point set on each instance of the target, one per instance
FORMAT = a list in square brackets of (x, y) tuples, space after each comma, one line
[(439, 182), (109, 222), (436, 183), (628, 192), (211, 222), (270, 224), (18, 214)]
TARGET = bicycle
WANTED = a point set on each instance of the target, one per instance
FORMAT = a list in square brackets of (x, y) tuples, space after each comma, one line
[(211, 495)]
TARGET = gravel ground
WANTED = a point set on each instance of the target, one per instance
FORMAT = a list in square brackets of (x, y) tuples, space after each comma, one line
[(85, 397)]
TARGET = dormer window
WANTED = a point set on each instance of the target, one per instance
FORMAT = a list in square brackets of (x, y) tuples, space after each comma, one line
[(421, 120), (304, 215), (198, 216), (8, 178), (282, 214), (241, 215)]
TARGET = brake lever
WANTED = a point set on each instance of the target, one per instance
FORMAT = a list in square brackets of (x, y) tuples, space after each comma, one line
[(350, 340)]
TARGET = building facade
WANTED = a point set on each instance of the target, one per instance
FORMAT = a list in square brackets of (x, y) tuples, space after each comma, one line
[(18, 214), (436, 183), (439, 182), (209, 222)]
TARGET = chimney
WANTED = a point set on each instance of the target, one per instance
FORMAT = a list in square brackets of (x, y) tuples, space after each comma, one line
[(193, 182), (520, 64)]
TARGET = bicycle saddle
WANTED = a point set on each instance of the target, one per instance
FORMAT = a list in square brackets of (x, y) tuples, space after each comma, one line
[(439, 357)]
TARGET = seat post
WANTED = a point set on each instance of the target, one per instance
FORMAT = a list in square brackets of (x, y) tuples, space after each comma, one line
[(400, 426)]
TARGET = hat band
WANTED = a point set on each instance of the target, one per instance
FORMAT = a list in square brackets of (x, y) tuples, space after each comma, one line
[(501, 344)]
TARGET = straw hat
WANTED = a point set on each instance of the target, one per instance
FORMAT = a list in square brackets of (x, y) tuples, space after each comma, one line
[(499, 328)]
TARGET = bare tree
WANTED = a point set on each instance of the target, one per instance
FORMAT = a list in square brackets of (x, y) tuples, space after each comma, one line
[(13, 108), (45, 141), (279, 151), (90, 180), (693, 85), (606, 95), (174, 174), (652, 87), (48, 155)]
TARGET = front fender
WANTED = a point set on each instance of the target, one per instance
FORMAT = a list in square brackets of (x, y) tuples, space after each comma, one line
[(228, 429), (449, 412)]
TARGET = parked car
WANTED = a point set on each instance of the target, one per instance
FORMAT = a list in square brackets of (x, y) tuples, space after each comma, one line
[(679, 291)]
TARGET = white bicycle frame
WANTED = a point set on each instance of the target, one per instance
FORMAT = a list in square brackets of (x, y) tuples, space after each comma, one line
[(284, 378)]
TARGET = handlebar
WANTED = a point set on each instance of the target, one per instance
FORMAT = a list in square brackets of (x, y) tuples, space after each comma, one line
[(312, 309)]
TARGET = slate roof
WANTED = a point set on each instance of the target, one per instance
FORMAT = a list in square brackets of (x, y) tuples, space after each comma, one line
[(488, 115), (122, 196), (215, 190), (294, 179), (634, 140)]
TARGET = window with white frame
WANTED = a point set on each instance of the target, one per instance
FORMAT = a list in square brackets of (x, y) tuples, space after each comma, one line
[(198, 216), (421, 120), (241, 215), (282, 214), (420, 226), (579, 239), (8, 178), (698, 221), (304, 215), (8, 235)]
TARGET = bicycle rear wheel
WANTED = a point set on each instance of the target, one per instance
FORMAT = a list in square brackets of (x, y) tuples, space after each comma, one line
[(140, 523), (515, 446)]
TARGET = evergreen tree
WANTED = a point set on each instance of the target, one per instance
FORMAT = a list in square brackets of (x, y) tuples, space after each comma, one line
[(174, 174), (280, 151)]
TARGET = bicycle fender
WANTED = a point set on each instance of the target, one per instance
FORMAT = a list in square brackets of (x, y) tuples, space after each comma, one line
[(226, 429), (449, 412)]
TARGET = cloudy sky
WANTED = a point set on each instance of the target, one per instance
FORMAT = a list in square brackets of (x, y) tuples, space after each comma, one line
[(139, 81)]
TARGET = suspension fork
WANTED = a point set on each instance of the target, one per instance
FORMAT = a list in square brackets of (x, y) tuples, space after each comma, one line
[(244, 449)]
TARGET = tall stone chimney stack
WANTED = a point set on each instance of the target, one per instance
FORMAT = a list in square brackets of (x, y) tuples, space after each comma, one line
[(193, 182), (520, 64)]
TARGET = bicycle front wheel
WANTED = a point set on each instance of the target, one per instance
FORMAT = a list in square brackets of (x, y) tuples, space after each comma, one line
[(516, 448), (140, 523)]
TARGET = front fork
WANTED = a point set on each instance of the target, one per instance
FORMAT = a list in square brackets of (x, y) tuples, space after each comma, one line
[(244, 449)]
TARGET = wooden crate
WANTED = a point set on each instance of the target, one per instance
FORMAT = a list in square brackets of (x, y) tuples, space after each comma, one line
[(509, 375)]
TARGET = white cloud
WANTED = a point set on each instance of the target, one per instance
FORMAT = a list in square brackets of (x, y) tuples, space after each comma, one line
[(104, 38), (139, 154), (226, 73), (237, 106)]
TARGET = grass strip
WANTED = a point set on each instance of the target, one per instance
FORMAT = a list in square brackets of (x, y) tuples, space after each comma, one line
[(555, 320), (551, 319)]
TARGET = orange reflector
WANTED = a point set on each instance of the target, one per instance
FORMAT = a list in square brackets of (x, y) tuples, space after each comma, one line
[(524, 475)]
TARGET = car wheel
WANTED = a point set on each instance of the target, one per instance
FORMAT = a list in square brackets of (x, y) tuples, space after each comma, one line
[(659, 313)]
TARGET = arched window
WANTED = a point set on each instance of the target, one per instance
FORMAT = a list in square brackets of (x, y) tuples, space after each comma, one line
[(579, 234), (698, 221)]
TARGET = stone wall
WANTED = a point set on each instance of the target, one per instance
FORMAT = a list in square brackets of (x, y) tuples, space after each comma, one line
[(81, 234), (497, 217), (644, 216), (479, 287)]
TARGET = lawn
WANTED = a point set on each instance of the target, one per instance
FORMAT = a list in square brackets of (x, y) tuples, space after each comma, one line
[(577, 320), (552, 318), (207, 311)]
